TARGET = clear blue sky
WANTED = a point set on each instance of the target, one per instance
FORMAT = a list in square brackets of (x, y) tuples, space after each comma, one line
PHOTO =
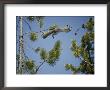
[(66, 55)]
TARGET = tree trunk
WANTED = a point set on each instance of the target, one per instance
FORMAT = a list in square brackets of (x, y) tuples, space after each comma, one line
[(21, 59)]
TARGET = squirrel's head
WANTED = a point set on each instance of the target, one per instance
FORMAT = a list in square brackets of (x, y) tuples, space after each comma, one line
[(68, 28)]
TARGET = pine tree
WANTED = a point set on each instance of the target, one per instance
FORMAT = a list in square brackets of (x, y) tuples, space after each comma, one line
[(84, 51)]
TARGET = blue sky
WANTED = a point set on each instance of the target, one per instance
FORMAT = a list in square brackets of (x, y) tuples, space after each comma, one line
[(66, 55)]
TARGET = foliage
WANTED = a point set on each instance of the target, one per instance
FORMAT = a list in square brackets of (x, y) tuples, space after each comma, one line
[(43, 54), (68, 66), (53, 55), (39, 19), (89, 25), (33, 36), (57, 45), (83, 51), (72, 68), (75, 48), (30, 18), (30, 64)]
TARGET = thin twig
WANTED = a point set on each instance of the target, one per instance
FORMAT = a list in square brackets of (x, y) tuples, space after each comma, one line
[(27, 24), (40, 66)]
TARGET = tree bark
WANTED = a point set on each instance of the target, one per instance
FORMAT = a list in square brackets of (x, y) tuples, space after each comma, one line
[(21, 59)]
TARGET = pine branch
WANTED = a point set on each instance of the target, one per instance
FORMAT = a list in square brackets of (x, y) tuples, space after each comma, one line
[(40, 66), (86, 61)]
